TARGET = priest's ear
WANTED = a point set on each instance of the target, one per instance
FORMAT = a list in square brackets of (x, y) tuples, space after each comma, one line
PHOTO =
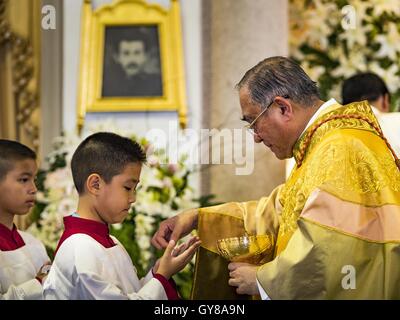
[(285, 107), (93, 184)]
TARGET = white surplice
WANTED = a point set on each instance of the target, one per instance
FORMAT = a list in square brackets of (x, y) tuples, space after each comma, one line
[(18, 269), (83, 269)]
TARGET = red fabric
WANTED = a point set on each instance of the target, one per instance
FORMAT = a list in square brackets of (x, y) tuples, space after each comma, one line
[(169, 287), (97, 230), (10, 239)]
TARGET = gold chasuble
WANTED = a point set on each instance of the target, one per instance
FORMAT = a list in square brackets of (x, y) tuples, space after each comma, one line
[(336, 220)]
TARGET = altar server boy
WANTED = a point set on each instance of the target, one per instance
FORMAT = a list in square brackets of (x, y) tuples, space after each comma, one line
[(89, 262), (23, 258)]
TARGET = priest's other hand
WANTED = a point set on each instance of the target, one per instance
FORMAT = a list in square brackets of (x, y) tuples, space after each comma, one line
[(175, 228), (243, 276)]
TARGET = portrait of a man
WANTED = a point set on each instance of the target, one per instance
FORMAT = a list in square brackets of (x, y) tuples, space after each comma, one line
[(132, 65)]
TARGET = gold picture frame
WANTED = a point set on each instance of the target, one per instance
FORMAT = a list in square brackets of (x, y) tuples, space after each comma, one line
[(162, 27)]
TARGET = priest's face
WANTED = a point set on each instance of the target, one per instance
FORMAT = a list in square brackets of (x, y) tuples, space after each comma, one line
[(272, 128), (18, 189), (116, 197)]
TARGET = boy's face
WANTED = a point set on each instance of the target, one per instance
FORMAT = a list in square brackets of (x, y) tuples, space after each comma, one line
[(18, 189), (116, 197)]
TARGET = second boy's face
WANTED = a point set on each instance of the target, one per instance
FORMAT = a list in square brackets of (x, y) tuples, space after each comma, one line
[(18, 189), (118, 195)]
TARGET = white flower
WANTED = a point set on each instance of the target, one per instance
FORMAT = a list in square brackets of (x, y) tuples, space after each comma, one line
[(40, 197), (381, 6), (145, 203), (153, 161), (389, 75), (390, 42), (167, 182), (320, 18), (67, 206), (298, 24), (313, 72), (146, 256), (144, 224), (117, 226), (143, 241), (350, 65), (60, 179), (355, 36)]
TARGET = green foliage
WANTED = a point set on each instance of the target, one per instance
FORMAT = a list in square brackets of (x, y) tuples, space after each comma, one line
[(126, 235)]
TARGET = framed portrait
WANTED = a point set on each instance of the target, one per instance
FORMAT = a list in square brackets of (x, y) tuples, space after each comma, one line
[(131, 59), (132, 66)]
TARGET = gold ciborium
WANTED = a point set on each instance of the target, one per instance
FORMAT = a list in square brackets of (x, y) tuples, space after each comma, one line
[(248, 248)]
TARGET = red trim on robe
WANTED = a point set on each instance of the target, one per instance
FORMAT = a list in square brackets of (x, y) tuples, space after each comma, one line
[(169, 287), (97, 230), (171, 282), (10, 239)]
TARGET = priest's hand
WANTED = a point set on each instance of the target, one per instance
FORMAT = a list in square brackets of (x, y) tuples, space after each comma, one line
[(175, 228), (243, 276)]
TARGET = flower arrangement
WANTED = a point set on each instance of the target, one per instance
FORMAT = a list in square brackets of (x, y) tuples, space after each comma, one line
[(334, 39), (164, 190)]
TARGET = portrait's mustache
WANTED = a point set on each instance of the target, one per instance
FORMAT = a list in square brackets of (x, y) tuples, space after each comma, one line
[(133, 65)]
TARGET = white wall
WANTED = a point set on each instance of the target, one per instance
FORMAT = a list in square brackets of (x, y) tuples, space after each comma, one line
[(191, 25)]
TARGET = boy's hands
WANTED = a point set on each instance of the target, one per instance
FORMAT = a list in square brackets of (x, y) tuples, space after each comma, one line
[(156, 265), (43, 272), (175, 259)]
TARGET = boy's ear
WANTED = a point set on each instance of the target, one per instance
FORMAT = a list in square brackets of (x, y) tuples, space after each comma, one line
[(93, 183)]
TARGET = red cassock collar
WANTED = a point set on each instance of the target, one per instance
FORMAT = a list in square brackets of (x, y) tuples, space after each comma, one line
[(97, 230), (10, 239)]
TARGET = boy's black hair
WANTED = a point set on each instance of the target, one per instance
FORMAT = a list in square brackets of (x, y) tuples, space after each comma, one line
[(106, 154), (10, 152), (363, 86)]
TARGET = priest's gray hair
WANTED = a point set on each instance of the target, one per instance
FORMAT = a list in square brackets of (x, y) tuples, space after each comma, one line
[(279, 76)]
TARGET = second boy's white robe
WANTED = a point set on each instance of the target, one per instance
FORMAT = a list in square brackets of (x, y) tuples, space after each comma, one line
[(84, 269)]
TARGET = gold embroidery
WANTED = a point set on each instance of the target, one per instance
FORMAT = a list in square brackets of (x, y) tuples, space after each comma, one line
[(340, 162)]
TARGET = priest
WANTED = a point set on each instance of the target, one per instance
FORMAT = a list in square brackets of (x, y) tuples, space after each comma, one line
[(336, 220)]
